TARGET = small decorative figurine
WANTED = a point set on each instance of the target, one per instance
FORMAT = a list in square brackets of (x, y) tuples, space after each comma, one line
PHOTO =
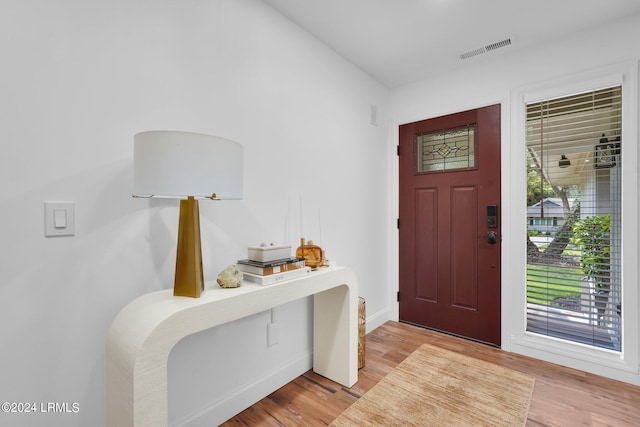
[(313, 255), (230, 277)]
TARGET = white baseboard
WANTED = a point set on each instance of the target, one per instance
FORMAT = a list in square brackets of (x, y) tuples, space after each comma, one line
[(246, 395), (379, 318)]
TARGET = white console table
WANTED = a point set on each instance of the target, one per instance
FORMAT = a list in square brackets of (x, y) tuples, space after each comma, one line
[(144, 332)]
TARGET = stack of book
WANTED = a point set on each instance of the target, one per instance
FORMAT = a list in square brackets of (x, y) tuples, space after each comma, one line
[(269, 272)]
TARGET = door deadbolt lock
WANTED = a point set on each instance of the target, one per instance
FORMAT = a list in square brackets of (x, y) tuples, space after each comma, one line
[(492, 216), (492, 237)]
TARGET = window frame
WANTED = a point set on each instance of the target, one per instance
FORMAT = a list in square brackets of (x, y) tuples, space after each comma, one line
[(573, 125), (623, 366)]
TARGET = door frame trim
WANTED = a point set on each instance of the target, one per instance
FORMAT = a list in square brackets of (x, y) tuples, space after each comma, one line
[(505, 120), (490, 308)]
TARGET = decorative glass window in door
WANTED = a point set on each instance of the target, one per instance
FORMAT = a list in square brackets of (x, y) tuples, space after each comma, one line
[(574, 228), (446, 150)]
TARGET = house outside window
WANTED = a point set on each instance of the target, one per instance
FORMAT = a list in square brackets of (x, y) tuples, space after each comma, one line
[(546, 215)]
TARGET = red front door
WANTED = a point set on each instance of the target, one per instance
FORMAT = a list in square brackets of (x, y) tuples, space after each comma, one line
[(450, 223)]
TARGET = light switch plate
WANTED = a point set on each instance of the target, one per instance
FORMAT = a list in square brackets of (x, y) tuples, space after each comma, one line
[(59, 219)]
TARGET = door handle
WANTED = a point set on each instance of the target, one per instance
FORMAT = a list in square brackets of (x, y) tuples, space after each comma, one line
[(491, 237)]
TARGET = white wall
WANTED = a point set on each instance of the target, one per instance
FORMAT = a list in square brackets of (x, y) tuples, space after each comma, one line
[(78, 80), (502, 78)]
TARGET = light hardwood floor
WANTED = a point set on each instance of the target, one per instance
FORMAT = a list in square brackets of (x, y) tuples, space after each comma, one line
[(561, 396)]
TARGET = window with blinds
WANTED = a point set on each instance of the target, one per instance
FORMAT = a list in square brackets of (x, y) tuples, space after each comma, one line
[(574, 217)]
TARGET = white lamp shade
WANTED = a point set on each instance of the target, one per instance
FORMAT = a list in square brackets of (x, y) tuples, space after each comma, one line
[(179, 164)]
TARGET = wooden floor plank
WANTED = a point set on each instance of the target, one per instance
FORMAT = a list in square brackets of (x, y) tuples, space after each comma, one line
[(562, 396)]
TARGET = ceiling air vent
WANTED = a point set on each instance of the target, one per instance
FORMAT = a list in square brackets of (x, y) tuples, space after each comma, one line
[(471, 53), (485, 49), (494, 46)]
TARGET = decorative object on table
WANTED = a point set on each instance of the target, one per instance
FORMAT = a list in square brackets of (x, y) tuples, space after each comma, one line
[(230, 277), (270, 267), (268, 264), (313, 255), (188, 166), (277, 277), (268, 252), (362, 331)]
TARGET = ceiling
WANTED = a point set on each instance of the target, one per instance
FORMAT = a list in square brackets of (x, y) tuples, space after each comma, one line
[(402, 41)]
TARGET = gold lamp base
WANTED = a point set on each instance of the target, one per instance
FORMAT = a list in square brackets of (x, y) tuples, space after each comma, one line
[(189, 281)]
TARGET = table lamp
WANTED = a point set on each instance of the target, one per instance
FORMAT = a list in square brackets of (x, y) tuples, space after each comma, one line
[(188, 166)]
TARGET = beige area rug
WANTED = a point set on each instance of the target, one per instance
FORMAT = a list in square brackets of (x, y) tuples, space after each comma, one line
[(436, 387)]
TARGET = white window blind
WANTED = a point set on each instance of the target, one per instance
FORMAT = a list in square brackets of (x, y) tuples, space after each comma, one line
[(574, 150)]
